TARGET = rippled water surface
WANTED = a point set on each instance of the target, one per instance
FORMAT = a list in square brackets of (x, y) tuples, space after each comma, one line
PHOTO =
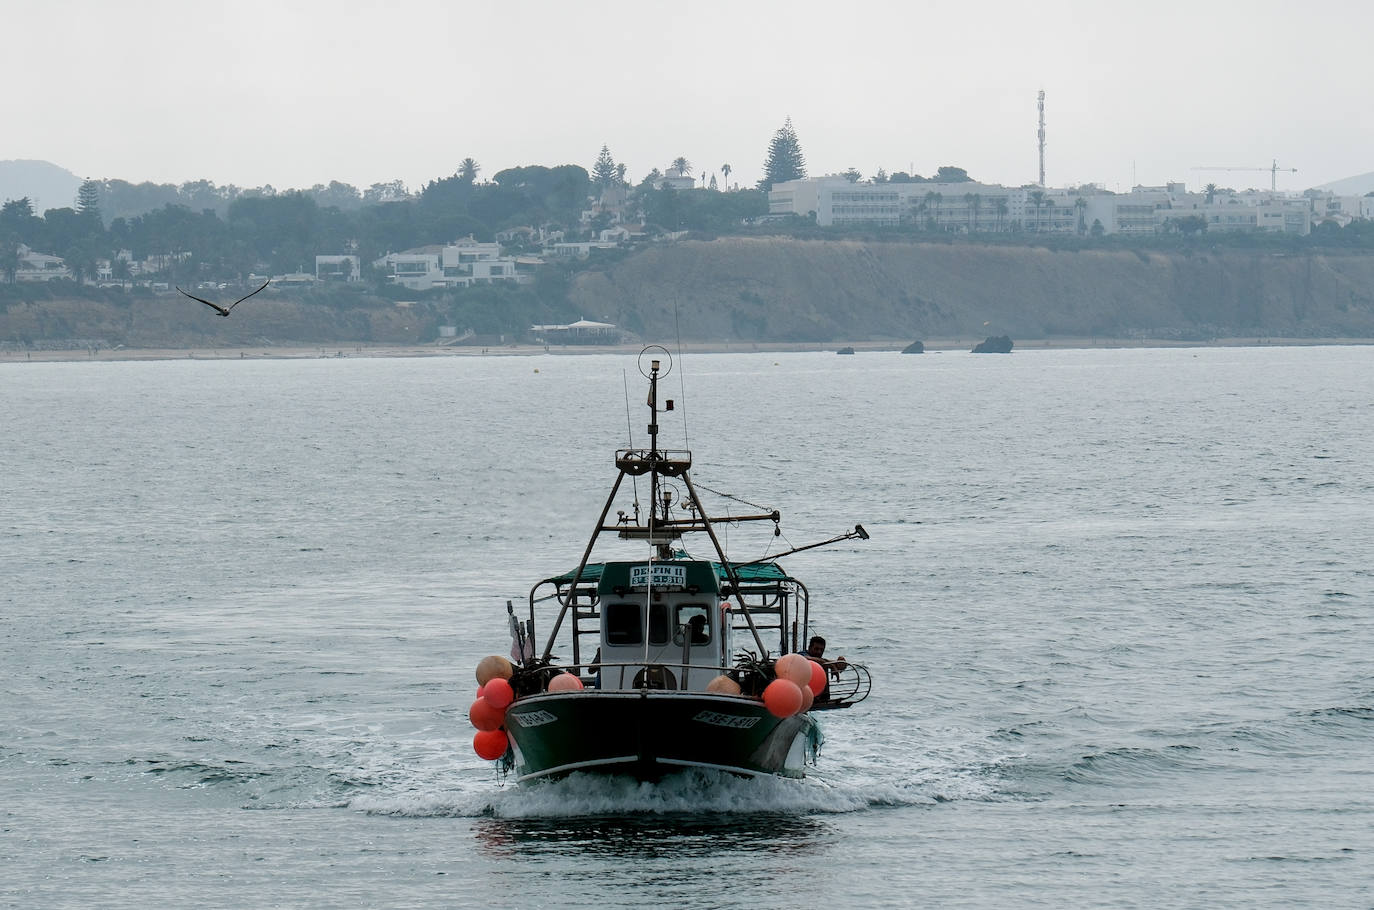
[(1117, 605)]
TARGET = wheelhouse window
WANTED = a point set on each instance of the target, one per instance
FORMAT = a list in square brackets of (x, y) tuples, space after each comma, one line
[(658, 624), (623, 626), (696, 619)]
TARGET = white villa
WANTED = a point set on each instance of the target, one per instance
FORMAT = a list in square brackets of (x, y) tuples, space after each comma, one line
[(338, 268), (461, 264), (39, 266)]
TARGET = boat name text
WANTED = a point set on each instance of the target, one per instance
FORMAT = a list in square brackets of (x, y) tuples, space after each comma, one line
[(662, 576), (716, 719), (534, 718)]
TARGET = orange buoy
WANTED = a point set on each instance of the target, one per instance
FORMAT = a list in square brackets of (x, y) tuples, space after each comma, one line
[(723, 685), (498, 693), (793, 667), (489, 668), (484, 716), (807, 700), (490, 744), (817, 683), (565, 682), (782, 698)]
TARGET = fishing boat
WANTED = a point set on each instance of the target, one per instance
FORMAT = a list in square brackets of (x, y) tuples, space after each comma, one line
[(671, 661)]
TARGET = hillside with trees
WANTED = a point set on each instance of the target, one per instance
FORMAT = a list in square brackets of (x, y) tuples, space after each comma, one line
[(747, 290), (709, 263)]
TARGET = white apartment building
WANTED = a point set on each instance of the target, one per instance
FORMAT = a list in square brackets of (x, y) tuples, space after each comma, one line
[(971, 207)]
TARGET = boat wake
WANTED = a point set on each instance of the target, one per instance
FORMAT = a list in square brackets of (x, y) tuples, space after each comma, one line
[(695, 793)]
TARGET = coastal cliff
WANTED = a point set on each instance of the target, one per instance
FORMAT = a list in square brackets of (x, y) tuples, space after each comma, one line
[(797, 290), (767, 289)]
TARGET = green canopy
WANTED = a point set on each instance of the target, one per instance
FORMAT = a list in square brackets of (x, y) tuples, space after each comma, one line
[(748, 573)]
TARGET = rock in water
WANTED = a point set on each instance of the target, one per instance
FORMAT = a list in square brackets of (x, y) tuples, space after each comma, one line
[(994, 344), (915, 347)]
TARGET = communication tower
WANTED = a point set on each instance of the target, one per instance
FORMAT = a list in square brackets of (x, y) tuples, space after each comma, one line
[(1041, 136)]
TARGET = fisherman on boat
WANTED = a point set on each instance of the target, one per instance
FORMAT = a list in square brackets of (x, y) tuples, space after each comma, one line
[(815, 650)]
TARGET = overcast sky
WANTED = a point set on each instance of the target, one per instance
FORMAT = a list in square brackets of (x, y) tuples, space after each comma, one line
[(298, 93)]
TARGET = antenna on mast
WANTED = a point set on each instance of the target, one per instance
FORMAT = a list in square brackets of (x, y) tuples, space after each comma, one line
[(1040, 134)]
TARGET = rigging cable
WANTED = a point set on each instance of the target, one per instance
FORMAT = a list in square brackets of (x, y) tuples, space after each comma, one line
[(629, 428), (753, 505), (681, 377)]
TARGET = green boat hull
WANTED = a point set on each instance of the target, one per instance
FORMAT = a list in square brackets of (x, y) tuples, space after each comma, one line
[(650, 733)]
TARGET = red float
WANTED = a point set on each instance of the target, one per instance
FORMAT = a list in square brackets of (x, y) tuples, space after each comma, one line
[(723, 685), (565, 682), (483, 716), (498, 693), (817, 683), (782, 698), (490, 744)]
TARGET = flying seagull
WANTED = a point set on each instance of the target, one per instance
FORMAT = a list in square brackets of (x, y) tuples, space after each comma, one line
[(222, 310)]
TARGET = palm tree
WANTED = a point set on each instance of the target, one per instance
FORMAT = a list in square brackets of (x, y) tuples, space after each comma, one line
[(467, 170), (1082, 205), (725, 169), (928, 205), (974, 201), (683, 166), (1001, 208), (1211, 190), (1037, 199)]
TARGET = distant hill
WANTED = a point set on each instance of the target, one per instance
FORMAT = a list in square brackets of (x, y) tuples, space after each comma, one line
[(1350, 186), (47, 185)]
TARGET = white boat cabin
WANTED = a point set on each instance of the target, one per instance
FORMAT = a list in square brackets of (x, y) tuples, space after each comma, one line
[(663, 626)]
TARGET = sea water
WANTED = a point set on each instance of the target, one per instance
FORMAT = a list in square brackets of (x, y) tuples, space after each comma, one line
[(1116, 605)]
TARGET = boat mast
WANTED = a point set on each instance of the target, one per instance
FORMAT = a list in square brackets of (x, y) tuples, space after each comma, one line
[(664, 547), (661, 529), (665, 550)]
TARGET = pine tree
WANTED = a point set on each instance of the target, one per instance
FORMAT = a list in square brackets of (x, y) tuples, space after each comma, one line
[(785, 160), (603, 172), (88, 202)]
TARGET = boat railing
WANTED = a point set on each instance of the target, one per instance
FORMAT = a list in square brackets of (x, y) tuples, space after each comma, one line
[(631, 676), (849, 684)]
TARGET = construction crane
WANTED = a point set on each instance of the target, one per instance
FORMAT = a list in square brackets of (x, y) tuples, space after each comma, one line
[(1273, 170)]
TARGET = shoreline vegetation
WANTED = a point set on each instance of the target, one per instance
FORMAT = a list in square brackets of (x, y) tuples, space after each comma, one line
[(775, 292), (334, 351)]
